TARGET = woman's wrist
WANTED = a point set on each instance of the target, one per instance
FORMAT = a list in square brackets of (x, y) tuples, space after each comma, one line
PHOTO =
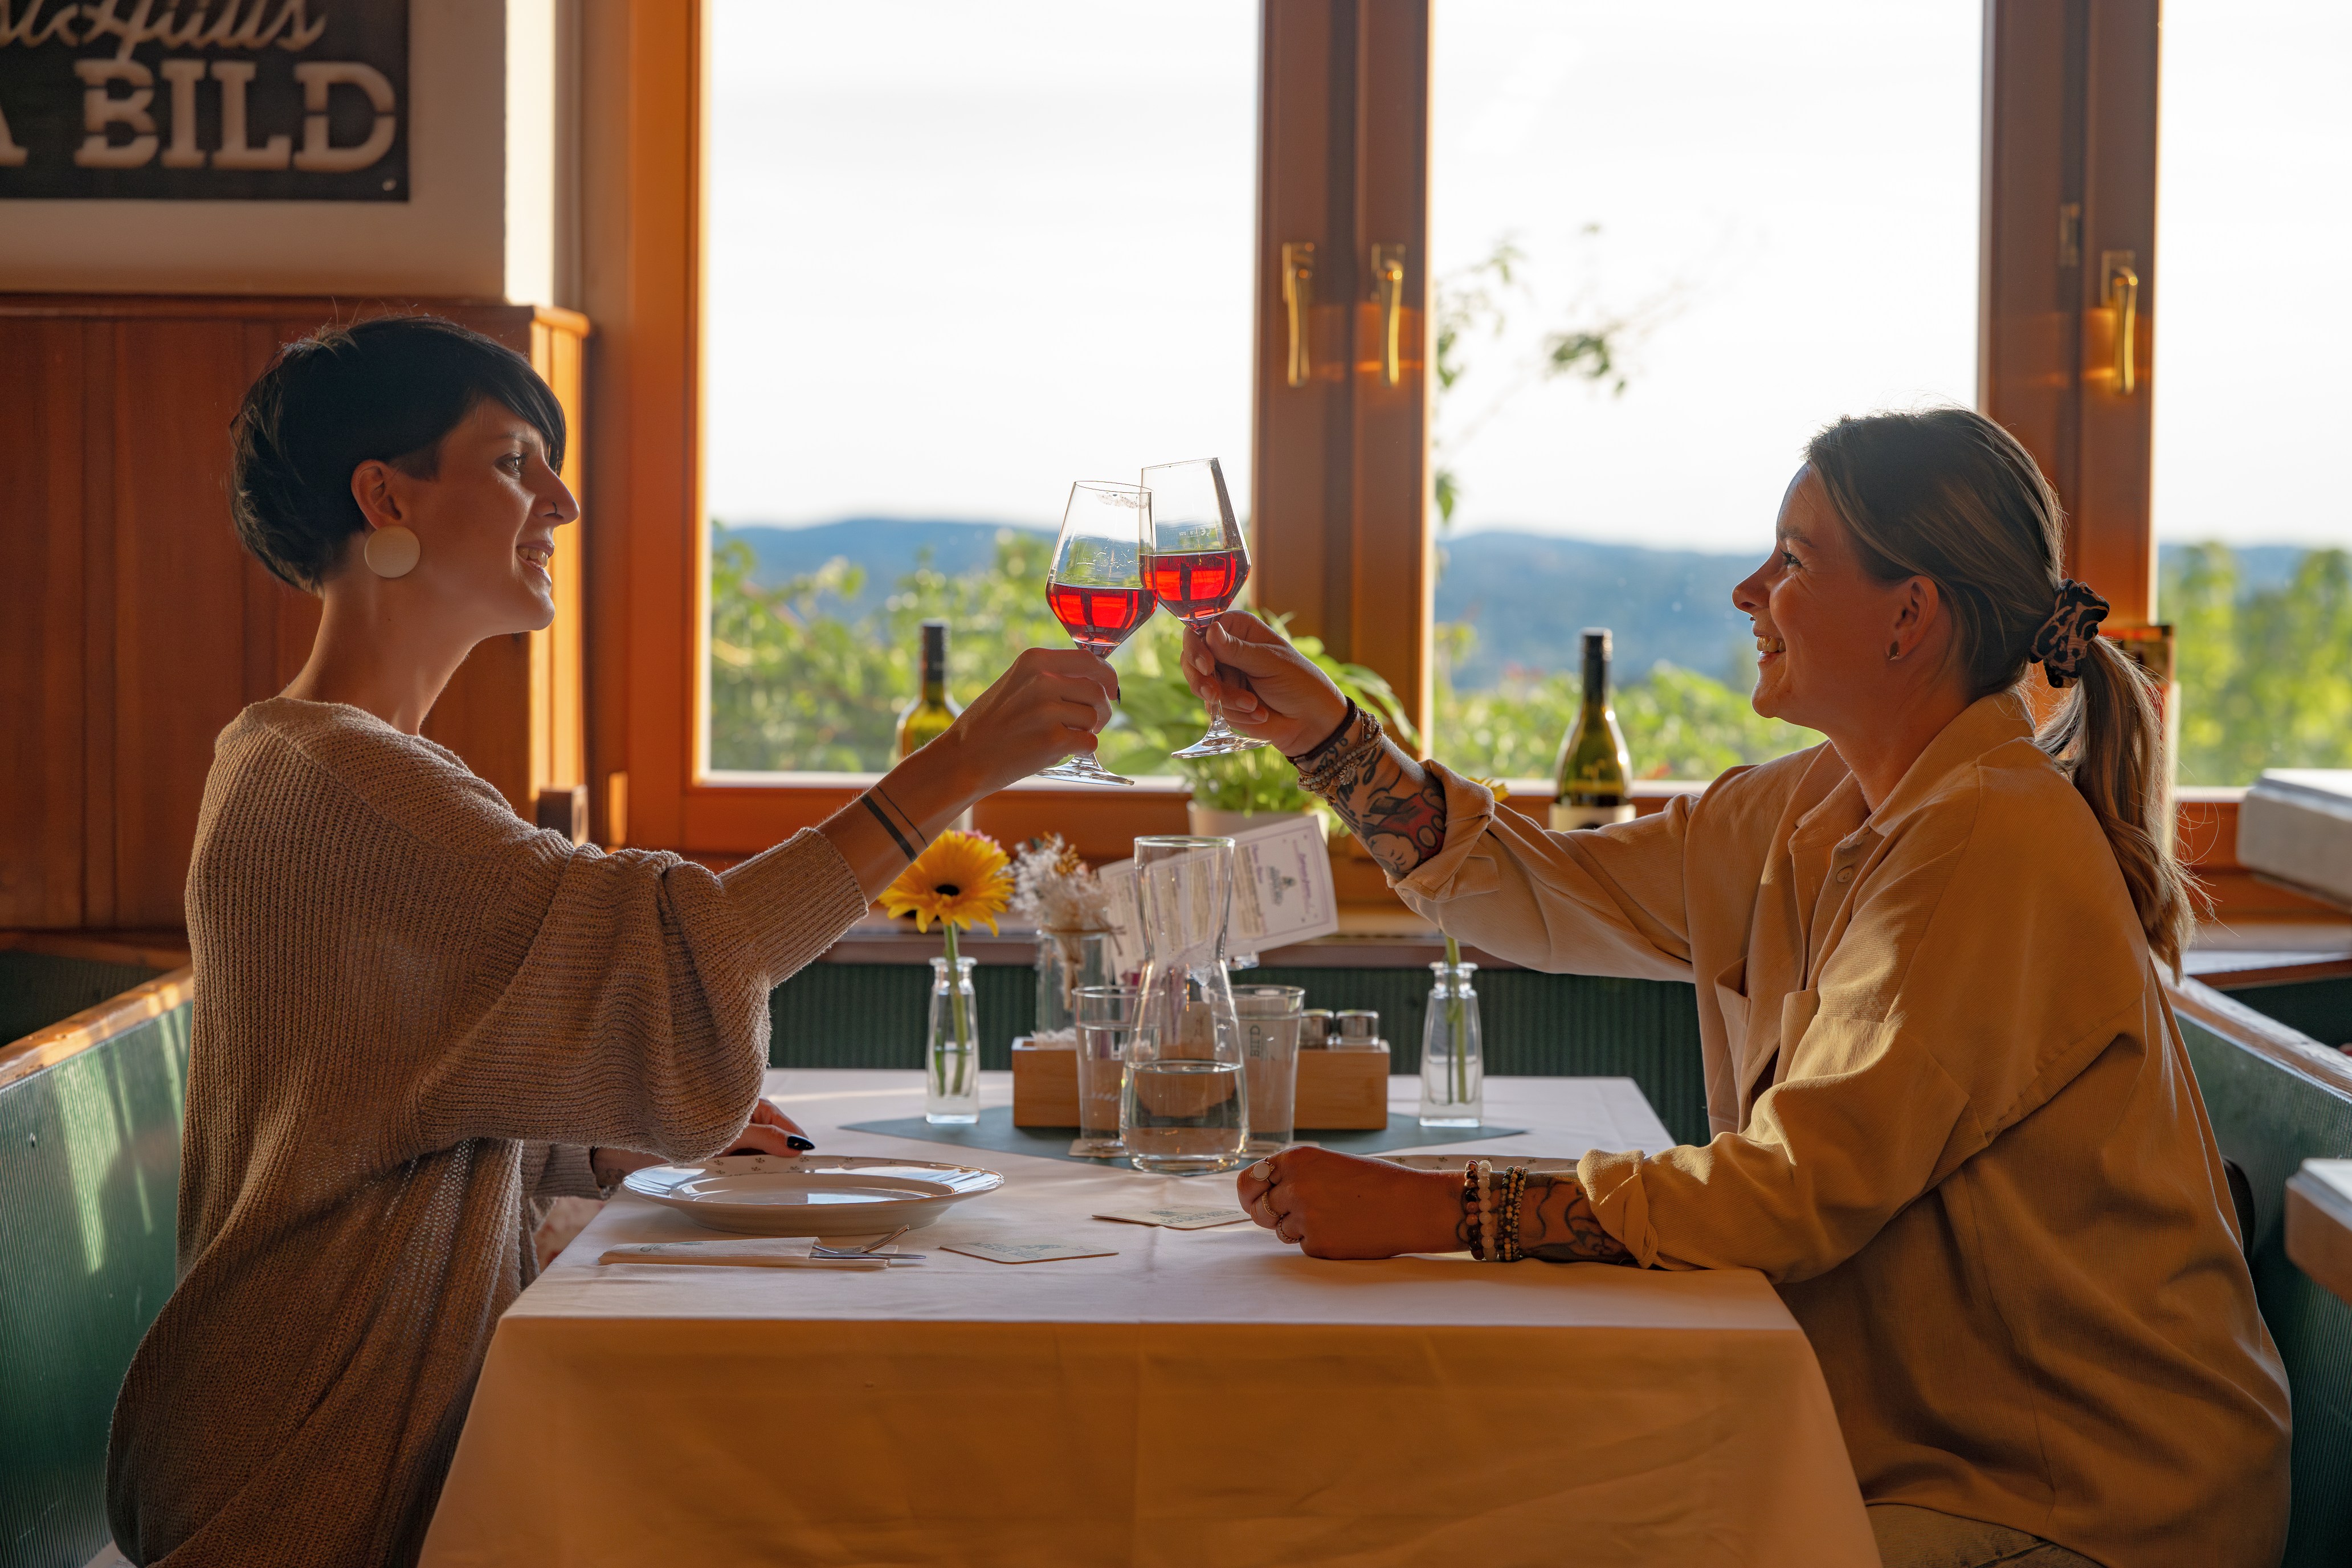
[(935, 785)]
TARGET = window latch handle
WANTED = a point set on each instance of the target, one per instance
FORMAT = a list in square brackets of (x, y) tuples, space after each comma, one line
[(1299, 300), (1388, 287), (2120, 293)]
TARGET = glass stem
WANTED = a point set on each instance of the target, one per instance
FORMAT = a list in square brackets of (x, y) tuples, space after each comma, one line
[(1453, 1021), (956, 1022)]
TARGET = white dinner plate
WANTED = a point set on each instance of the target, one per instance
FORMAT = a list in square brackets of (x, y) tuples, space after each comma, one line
[(1535, 1165), (812, 1195)]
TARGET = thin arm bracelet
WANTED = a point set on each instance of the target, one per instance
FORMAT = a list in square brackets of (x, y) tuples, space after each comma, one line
[(1360, 738)]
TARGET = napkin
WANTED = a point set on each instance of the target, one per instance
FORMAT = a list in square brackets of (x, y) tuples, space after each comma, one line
[(749, 1252), (1178, 1218)]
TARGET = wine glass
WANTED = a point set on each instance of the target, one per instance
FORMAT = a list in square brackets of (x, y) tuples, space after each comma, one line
[(1097, 588), (1198, 566)]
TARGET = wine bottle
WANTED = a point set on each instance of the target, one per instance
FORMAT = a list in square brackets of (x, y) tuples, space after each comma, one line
[(927, 718), (1590, 787)]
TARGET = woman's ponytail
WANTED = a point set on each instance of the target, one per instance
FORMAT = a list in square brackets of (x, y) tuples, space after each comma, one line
[(1950, 496), (2109, 735)]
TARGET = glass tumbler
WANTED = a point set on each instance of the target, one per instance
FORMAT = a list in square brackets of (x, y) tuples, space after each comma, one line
[(952, 1060), (1106, 1022), (1270, 1016), (1186, 1105), (1453, 1066), (1067, 960)]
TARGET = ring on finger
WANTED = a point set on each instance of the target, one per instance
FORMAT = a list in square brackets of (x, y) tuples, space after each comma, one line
[(1282, 1235)]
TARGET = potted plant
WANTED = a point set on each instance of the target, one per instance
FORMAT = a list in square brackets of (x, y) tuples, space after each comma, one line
[(1242, 789)]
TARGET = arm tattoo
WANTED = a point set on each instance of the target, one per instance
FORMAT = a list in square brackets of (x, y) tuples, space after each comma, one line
[(1396, 807), (1556, 1224)]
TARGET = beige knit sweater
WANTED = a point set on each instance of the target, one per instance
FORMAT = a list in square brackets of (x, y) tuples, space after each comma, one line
[(405, 995)]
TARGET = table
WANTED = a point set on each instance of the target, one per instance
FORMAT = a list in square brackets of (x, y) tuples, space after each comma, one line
[(1204, 1397)]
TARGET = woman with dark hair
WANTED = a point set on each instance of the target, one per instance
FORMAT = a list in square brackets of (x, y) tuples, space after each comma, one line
[(415, 1013), (1953, 1120)]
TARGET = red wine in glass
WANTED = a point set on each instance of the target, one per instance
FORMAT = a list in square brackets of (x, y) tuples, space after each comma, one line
[(1198, 566), (1099, 619), (1099, 587), (1199, 585)]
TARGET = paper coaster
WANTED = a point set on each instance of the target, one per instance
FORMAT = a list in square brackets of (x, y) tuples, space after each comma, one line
[(1026, 1251), (1178, 1218)]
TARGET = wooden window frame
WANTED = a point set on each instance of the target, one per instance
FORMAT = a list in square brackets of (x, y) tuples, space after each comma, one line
[(1349, 547), (1341, 475)]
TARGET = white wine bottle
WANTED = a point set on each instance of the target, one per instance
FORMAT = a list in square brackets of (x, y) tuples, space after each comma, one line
[(1591, 782), (927, 718)]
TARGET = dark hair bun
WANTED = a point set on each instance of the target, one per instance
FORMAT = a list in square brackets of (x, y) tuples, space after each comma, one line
[(388, 389)]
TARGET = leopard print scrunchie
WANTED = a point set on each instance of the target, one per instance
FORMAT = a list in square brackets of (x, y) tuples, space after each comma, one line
[(2065, 639)]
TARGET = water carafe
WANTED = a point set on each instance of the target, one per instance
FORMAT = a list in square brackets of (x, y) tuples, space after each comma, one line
[(1185, 1104)]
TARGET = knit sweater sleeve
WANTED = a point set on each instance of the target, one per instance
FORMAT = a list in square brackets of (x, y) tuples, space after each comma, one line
[(536, 990)]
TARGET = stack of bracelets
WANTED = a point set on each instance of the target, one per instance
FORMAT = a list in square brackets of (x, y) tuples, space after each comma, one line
[(1496, 1237)]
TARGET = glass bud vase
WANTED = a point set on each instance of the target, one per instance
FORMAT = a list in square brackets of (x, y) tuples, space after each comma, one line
[(1453, 1066), (1067, 961), (951, 1062)]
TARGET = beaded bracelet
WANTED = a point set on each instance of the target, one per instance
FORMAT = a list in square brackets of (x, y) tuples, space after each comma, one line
[(1514, 1186), (1319, 776), (1470, 1209), (1486, 1210)]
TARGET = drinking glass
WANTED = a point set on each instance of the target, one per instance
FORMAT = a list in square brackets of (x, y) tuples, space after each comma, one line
[(1270, 1016), (1106, 1022), (1097, 589), (1186, 1105), (1199, 563)]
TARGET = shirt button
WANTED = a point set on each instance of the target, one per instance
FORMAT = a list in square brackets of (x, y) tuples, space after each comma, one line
[(1846, 874)]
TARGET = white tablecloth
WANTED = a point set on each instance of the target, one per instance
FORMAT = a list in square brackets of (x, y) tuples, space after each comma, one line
[(1203, 1397)]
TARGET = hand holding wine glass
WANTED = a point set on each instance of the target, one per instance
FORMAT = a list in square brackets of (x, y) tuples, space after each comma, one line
[(1281, 699), (1097, 588)]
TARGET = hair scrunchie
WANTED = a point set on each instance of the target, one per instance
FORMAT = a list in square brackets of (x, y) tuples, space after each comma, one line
[(2065, 637)]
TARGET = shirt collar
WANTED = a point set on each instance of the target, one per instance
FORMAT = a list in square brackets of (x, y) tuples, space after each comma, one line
[(1983, 726)]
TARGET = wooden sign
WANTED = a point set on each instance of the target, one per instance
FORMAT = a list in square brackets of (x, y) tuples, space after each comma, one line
[(205, 99)]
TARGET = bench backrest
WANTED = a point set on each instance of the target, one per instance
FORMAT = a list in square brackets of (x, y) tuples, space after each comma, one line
[(2277, 1099), (90, 1174)]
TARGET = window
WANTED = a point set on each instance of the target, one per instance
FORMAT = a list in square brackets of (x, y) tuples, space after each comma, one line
[(1668, 244), (2256, 146), (958, 256)]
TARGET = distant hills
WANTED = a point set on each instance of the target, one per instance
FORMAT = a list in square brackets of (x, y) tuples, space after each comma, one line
[(1527, 594)]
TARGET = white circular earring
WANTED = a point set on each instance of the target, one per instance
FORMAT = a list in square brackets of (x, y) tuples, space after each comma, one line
[(392, 551)]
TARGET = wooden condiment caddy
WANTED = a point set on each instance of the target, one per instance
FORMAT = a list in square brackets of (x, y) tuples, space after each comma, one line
[(1338, 1090)]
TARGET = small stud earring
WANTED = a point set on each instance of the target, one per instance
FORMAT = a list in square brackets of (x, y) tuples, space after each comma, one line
[(392, 551), (1894, 649)]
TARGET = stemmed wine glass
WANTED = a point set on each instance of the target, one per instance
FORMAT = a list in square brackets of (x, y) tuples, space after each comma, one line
[(1098, 588), (1199, 563)]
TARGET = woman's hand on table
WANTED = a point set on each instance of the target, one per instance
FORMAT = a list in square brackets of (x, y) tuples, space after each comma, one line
[(770, 1132), (1288, 702), (1340, 1205)]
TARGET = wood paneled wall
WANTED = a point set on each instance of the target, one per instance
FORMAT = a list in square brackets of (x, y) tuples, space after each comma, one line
[(132, 624)]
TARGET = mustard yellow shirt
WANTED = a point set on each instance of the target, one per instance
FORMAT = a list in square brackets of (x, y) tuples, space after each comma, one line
[(1953, 1123)]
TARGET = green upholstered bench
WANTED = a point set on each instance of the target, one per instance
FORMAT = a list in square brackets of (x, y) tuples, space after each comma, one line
[(89, 1174), (2278, 1096)]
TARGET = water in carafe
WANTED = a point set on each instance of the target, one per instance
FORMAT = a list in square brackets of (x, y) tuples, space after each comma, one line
[(1185, 1103)]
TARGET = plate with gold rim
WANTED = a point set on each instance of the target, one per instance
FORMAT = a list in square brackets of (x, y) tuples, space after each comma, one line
[(811, 1194)]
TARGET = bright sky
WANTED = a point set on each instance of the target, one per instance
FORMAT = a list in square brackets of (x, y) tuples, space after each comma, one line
[(958, 261)]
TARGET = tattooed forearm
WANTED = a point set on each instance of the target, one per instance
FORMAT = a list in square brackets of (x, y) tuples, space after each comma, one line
[(1556, 1224), (1394, 807)]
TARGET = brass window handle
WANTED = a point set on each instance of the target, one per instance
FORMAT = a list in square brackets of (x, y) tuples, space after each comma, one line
[(1298, 299), (2121, 292), (1388, 287)]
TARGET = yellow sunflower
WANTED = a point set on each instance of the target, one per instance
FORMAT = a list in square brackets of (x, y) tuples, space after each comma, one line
[(961, 879)]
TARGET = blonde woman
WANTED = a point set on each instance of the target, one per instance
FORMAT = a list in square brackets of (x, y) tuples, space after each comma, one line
[(1952, 1118), (413, 1012)]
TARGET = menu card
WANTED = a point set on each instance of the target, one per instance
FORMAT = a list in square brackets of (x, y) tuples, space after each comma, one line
[(1282, 894)]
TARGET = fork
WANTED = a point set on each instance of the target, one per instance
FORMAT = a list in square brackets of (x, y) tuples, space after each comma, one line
[(819, 1249)]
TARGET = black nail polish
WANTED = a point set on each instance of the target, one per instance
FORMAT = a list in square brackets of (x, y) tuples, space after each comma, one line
[(795, 1140)]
